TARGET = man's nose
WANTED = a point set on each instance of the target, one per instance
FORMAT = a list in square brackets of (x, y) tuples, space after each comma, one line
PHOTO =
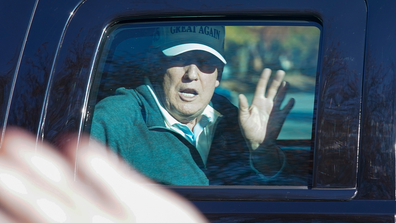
[(192, 72)]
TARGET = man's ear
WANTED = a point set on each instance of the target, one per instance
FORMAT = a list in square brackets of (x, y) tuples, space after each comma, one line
[(217, 83), (219, 74)]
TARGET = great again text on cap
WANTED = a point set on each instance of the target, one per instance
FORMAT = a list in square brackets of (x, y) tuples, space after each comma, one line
[(206, 30)]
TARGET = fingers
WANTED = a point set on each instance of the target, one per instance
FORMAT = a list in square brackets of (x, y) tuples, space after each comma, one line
[(39, 161), (277, 119), (262, 83), (134, 192), (101, 172), (276, 82), (27, 199), (280, 97), (5, 218), (36, 185), (281, 94), (274, 86)]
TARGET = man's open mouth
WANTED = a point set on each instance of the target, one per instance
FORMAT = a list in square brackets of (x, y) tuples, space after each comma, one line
[(189, 93)]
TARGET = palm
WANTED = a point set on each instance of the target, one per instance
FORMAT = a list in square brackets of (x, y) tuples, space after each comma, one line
[(254, 121)]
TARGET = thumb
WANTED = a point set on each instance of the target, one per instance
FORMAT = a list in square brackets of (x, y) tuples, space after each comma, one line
[(243, 107), (243, 103)]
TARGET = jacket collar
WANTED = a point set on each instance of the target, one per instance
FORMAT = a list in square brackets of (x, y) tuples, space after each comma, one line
[(153, 115)]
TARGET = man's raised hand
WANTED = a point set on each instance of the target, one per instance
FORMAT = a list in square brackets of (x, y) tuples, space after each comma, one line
[(262, 121)]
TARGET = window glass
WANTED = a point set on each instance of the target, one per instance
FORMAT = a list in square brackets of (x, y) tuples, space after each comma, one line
[(152, 101)]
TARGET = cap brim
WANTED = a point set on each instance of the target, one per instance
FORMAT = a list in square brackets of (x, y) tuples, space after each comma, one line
[(182, 48)]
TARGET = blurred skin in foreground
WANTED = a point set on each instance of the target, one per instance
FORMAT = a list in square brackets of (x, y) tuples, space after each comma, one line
[(38, 184)]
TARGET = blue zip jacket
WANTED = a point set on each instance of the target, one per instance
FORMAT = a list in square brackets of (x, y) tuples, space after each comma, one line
[(131, 124)]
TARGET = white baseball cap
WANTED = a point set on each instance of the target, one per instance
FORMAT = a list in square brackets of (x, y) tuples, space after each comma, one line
[(175, 40)]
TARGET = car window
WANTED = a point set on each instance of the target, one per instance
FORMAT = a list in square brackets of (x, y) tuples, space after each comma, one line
[(143, 126)]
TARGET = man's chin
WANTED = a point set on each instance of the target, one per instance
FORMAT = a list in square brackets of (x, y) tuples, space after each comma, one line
[(185, 116)]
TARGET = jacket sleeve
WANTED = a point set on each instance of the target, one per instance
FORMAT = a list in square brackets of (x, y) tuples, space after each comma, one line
[(113, 122)]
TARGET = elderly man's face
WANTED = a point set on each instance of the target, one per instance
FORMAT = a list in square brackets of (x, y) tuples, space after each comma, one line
[(189, 84)]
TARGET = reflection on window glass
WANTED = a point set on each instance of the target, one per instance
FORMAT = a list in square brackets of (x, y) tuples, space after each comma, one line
[(193, 103)]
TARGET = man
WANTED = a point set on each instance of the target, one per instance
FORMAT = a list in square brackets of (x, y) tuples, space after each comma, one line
[(175, 130)]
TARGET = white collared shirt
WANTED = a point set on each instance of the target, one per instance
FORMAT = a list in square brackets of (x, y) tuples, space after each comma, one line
[(203, 132)]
